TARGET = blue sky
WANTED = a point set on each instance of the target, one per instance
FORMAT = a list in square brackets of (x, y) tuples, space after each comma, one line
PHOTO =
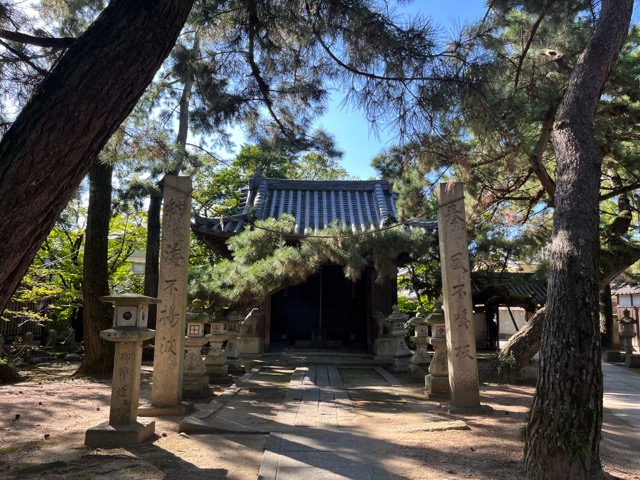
[(351, 131)]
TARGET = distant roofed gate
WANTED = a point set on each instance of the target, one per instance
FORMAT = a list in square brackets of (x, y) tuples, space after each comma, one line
[(328, 310)]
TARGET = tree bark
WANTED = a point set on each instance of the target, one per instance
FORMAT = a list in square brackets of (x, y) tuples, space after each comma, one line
[(152, 256), (562, 437), (518, 351), (57, 136), (97, 315), (606, 317), (152, 253)]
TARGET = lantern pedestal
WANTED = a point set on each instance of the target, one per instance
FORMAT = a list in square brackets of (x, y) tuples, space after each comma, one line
[(437, 382), (195, 381), (216, 361), (402, 354), (419, 363), (123, 429)]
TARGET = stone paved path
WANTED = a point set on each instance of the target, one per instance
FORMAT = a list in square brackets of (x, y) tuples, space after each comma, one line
[(314, 432), (316, 398), (318, 405), (622, 394)]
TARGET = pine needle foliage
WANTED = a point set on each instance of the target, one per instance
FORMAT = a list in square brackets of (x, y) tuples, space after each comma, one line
[(268, 257)]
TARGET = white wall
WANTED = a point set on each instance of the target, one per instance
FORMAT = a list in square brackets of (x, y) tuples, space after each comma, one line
[(506, 325)]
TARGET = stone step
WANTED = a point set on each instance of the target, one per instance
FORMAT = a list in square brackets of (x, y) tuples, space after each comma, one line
[(301, 358)]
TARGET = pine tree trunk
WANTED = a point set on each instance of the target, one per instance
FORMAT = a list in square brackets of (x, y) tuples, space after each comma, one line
[(152, 257), (606, 317), (57, 136), (97, 315), (562, 437), (152, 253)]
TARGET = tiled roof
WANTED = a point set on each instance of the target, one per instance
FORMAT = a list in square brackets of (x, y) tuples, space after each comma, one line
[(520, 284), (359, 206), (626, 289)]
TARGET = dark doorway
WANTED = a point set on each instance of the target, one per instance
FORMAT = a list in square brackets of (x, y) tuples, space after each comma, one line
[(326, 311)]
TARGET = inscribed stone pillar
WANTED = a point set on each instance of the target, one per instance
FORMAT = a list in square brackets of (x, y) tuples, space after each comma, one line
[(172, 290), (456, 284)]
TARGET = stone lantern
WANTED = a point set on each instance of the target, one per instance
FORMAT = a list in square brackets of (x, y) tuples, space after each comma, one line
[(627, 332), (399, 331), (419, 362), (234, 320), (437, 382), (216, 360), (195, 379), (130, 309), (128, 332)]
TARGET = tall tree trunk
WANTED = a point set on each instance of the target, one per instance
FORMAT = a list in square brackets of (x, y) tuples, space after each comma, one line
[(606, 317), (57, 136), (562, 438), (152, 256), (152, 253), (97, 315)]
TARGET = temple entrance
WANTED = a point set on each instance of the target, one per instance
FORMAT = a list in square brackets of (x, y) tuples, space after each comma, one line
[(328, 311)]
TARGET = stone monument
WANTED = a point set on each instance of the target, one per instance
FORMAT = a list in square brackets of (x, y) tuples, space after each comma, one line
[(456, 287), (166, 392), (128, 332)]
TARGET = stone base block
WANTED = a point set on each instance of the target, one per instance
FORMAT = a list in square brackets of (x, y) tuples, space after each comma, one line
[(303, 343), (401, 364), (226, 379), (217, 370), (248, 358), (115, 436), (179, 410), (197, 394), (334, 343), (632, 360), (476, 410), (196, 388), (437, 387), (386, 359), (385, 347), (250, 346), (613, 356), (234, 364), (418, 371)]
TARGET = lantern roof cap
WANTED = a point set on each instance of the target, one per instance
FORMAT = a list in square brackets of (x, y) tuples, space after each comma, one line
[(130, 299)]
